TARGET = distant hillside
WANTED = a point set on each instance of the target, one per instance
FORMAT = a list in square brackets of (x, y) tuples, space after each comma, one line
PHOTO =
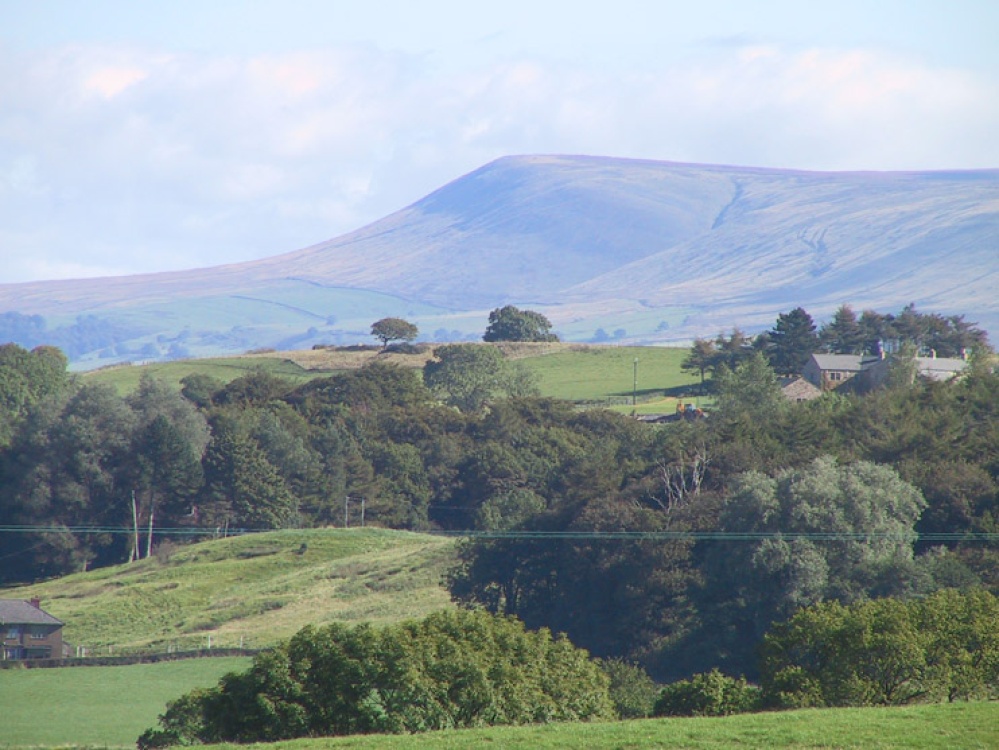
[(649, 251), (255, 589)]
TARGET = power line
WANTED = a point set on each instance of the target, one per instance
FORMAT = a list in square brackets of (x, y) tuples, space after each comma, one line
[(726, 536)]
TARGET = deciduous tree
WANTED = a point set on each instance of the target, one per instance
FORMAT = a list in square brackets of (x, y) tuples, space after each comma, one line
[(387, 330)]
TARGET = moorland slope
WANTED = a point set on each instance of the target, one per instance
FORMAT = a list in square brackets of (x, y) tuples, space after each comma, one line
[(654, 251)]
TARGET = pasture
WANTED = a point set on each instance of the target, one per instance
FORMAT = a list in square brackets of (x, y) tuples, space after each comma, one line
[(97, 706), (588, 375)]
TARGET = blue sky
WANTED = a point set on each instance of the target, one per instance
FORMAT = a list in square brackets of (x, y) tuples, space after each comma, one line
[(146, 136)]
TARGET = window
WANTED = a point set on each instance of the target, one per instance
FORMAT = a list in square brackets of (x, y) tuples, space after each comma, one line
[(13, 632), (38, 634)]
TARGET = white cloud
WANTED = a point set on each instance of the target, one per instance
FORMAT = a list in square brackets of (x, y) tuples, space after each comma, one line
[(133, 160)]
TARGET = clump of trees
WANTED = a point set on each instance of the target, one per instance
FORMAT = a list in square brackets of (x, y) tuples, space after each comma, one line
[(449, 670), (880, 652), (468, 376), (513, 324), (884, 652)]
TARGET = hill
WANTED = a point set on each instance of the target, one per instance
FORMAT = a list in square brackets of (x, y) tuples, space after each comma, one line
[(252, 590), (653, 251)]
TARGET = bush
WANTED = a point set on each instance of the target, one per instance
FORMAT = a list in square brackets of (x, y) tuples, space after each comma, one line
[(708, 694), (632, 691)]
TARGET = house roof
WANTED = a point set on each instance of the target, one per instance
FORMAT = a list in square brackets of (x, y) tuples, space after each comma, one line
[(797, 388), (838, 361), (21, 612), (940, 368)]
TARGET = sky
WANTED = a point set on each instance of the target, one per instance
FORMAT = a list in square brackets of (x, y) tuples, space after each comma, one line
[(140, 136)]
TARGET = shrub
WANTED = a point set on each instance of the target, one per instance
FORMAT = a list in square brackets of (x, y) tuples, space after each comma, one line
[(708, 694), (632, 691)]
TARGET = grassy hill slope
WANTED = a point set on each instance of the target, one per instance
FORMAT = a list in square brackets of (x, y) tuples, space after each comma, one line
[(255, 589)]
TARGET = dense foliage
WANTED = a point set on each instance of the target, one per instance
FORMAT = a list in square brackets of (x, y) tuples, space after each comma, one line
[(674, 545), (943, 647), (452, 669)]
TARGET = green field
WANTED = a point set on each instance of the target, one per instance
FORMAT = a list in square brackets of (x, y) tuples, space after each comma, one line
[(97, 706), (125, 378), (248, 591), (606, 375), (587, 375), (111, 706), (932, 727)]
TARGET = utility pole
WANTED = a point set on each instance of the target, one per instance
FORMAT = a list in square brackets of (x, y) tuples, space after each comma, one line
[(135, 527), (346, 519), (634, 386)]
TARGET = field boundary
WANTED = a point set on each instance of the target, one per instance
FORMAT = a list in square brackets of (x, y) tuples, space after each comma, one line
[(120, 661)]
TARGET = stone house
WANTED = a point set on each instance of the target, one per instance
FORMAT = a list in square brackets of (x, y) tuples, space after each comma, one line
[(29, 632)]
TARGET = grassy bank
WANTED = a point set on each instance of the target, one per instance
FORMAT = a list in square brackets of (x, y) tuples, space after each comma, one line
[(933, 727), (252, 590)]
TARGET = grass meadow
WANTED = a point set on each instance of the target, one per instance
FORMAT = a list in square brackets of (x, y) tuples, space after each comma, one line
[(110, 706), (125, 378), (97, 706)]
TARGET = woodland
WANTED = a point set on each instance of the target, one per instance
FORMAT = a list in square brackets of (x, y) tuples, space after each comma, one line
[(673, 546)]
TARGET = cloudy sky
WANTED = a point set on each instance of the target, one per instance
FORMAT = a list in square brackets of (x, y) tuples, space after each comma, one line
[(138, 135)]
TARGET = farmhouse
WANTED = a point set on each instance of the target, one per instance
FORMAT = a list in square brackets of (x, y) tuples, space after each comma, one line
[(829, 371), (28, 632)]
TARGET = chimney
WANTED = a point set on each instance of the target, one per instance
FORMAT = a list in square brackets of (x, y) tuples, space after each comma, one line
[(36, 603)]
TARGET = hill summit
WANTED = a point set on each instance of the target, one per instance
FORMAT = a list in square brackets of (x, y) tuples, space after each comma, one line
[(654, 251)]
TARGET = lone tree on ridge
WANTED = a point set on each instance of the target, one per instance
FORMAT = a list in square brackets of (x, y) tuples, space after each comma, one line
[(393, 329)]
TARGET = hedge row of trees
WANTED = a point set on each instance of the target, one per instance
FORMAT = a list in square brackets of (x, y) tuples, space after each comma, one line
[(449, 670)]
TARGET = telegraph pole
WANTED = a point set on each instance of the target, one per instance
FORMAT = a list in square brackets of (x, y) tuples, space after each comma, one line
[(634, 386)]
